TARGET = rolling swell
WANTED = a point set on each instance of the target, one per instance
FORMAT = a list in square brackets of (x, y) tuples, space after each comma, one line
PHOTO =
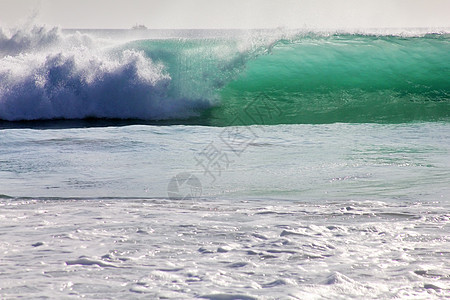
[(307, 78)]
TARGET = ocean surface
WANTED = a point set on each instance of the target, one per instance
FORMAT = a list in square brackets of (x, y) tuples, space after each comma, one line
[(224, 164)]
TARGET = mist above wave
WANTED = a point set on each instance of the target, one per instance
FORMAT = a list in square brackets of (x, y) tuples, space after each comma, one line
[(38, 38)]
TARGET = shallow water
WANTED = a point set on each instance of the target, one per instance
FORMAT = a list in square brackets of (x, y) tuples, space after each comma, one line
[(268, 249), (289, 211)]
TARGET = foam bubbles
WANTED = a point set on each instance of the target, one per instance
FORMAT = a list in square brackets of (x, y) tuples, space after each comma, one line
[(47, 75)]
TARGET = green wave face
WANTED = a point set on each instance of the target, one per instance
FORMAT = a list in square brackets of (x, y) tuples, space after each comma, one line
[(344, 79), (312, 79)]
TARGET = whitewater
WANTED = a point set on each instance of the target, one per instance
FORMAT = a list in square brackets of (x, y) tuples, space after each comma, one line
[(224, 164)]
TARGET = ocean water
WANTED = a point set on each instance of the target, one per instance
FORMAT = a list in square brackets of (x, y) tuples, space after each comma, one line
[(265, 164)]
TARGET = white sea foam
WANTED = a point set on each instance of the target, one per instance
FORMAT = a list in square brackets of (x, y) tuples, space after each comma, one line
[(45, 74), (102, 240)]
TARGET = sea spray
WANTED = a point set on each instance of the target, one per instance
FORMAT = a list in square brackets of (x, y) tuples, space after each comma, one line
[(45, 75)]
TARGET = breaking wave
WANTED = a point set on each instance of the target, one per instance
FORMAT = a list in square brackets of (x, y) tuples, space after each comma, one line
[(46, 75), (308, 77)]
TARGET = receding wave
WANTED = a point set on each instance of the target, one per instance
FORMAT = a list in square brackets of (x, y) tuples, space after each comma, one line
[(262, 79)]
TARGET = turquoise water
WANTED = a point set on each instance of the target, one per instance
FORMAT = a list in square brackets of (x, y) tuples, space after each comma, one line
[(386, 162), (313, 78)]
